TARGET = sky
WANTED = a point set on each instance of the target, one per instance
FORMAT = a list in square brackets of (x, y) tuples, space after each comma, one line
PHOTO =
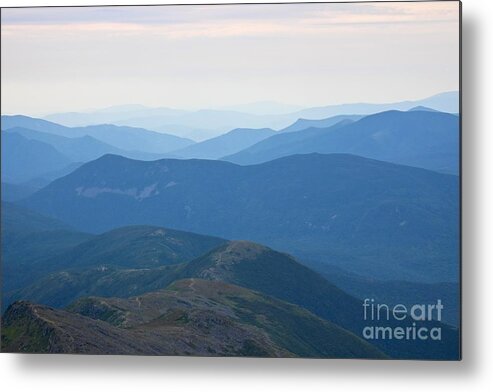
[(190, 57)]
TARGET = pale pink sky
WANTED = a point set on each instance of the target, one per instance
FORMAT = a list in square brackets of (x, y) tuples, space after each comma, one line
[(61, 59)]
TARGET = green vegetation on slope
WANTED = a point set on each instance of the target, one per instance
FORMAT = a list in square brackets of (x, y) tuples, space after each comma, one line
[(191, 317)]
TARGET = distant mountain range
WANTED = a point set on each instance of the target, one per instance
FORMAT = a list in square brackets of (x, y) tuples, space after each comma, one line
[(214, 122), (420, 137), (263, 108), (77, 149), (125, 138), (302, 124), (416, 138), (229, 143), (332, 208), (40, 151), (447, 102), (24, 159)]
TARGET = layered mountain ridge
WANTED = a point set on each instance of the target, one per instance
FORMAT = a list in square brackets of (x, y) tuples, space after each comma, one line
[(373, 206), (117, 239)]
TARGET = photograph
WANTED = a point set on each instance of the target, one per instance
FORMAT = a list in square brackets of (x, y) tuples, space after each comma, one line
[(232, 180)]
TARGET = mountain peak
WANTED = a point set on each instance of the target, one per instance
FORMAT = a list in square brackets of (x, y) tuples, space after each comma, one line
[(19, 308), (237, 251), (112, 157), (422, 109)]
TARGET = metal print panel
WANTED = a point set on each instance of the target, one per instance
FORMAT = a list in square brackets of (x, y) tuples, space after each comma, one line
[(259, 180)]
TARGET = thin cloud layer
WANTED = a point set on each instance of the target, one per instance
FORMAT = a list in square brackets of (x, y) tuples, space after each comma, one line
[(225, 20)]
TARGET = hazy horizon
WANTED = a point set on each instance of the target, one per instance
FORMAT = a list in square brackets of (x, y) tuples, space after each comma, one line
[(226, 107), (199, 57)]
